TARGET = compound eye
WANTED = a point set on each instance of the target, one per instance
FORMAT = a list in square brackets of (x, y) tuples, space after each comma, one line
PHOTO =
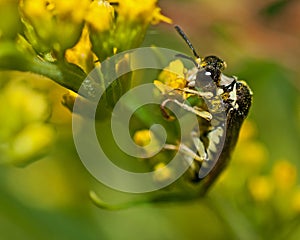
[(222, 65), (204, 80)]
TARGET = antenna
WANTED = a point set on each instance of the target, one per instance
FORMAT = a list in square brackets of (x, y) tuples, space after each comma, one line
[(185, 38)]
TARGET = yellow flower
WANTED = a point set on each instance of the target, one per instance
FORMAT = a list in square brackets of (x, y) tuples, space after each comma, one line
[(55, 25), (248, 130), (252, 153), (10, 24), (261, 188), (142, 137), (173, 75), (101, 23), (296, 201), (122, 26), (148, 141), (157, 17), (24, 134), (75, 10), (162, 172), (100, 16), (144, 11), (32, 142), (29, 104), (37, 9), (81, 54), (284, 174)]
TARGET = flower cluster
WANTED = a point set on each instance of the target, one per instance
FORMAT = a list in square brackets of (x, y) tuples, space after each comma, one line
[(71, 35), (25, 135), (62, 40), (264, 189), (172, 76), (55, 26)]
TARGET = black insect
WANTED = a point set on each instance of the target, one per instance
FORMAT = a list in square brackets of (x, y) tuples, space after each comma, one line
[(227, 103)]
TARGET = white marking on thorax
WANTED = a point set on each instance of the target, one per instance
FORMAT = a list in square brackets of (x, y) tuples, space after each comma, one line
[(233, 96), (225, 80)]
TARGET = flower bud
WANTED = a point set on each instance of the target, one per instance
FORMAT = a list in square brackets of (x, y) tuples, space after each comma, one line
[(53, 25), (10, 24)]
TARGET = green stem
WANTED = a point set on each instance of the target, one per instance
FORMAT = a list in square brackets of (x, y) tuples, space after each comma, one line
[(173, 197), (66, 74)]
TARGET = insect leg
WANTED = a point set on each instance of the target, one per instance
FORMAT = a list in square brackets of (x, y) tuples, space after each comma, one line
[(203, 114), (185, 150), (195, 92)]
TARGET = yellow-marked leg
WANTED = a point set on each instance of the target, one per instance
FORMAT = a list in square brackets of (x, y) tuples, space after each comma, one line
[(195, 92), (203, 114), (184, 150)]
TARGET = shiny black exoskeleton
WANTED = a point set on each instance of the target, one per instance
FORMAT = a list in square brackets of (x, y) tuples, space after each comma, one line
[(214, 65)]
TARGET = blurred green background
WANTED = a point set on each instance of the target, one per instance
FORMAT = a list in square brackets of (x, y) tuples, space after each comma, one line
[(257, 197)]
